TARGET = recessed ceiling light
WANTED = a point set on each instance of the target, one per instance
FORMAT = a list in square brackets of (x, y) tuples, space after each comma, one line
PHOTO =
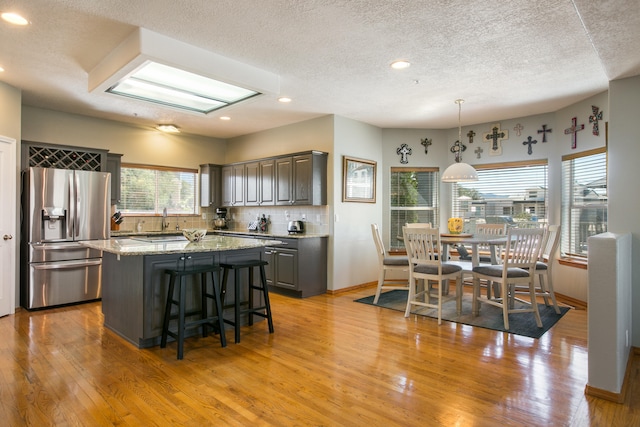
[(284, 99), (1, 69), (225, 118), (400, 65), (168, 128), (14, 18)]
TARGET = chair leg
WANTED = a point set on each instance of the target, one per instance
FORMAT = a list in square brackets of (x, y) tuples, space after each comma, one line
[(203, 302), (250, 296), (411, 296), (216, 299), (459, 291), (181, 316), (381, 275), (534, 302), (236, 314), (267, 303), (440, 294), (475, 306), (505, 304), (167, 311)]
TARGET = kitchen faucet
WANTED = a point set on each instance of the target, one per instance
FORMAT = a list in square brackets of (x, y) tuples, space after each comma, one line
[(165, 224)]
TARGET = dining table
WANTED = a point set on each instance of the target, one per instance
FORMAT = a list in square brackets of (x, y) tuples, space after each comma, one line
[(474, 240)]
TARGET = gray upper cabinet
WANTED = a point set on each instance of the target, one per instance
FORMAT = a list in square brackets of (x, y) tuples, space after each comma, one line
[(113, 167), (299, 179), (210, 185)]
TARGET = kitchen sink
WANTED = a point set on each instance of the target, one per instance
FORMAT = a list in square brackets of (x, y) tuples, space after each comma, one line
[(160, 239)]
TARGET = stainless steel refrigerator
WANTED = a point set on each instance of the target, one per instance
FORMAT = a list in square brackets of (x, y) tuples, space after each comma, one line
[(60, 208)]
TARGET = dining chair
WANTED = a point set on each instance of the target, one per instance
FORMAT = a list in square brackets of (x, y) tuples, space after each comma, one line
[(546, 259), (518, 268), (418, 224), (387, 263), (423, 246)]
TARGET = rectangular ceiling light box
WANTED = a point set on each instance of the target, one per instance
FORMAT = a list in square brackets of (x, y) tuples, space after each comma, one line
[(139, 69)]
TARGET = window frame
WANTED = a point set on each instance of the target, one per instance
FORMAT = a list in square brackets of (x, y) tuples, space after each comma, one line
[(566, 207), (158, 210)]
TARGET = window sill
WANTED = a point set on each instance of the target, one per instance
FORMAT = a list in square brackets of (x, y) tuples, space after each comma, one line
[(574, 262)]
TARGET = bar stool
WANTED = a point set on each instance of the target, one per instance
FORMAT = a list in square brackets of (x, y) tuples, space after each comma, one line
[(263, 310), (205, 320)]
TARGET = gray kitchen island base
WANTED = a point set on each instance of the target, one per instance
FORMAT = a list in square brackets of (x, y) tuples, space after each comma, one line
[(135, 290)]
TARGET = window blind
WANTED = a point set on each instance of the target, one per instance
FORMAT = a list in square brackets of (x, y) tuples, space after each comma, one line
[(514, 193), (150, 189), (584, 200), (414, 197)]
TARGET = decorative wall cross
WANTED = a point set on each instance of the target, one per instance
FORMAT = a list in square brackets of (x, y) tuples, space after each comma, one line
[(573, 130), (597, 115), (471, 134), (529, 141), (478, 152), (404, 151), (544, 131), (496, 135), (426, 143), (518, 128), (457, 148)]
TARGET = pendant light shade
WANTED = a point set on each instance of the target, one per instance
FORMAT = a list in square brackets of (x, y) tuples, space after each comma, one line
[(459, 171)]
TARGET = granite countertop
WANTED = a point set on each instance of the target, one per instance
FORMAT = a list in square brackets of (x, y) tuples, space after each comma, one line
[(210, 243), (244, 232)]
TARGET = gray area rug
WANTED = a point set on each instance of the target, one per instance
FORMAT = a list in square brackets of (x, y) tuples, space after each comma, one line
[(490, 317)]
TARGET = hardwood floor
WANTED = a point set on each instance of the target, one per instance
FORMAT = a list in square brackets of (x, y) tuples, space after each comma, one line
[(331, 362)]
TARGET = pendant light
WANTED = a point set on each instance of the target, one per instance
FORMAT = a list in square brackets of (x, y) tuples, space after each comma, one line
[(459, 171)]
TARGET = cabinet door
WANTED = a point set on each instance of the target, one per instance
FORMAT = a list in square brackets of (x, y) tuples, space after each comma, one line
[(210, 186), (113, 167), (302, 179), (238, 185), (270, 256), (227, 186), (284, 176), (267, 179), (286, 263), (252, 184)]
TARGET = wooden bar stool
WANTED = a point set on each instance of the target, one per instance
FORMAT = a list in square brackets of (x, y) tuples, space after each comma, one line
[(215, 321), (263, 310)]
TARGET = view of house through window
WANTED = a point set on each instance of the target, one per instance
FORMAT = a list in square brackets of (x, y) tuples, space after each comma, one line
[(512, 193), (414, 198), (150, 189), (584, 199)]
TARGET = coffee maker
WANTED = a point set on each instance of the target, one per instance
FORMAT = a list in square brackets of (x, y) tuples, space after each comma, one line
[(220, 223)]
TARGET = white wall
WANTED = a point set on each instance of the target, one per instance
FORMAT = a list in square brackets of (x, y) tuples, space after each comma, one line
[(624, 175), (352, 251)]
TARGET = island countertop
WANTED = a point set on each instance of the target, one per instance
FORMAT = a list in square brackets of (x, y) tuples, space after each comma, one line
[(175, 244)]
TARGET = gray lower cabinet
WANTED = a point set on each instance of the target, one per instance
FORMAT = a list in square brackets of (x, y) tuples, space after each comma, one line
[(299, 267), (134, 291)]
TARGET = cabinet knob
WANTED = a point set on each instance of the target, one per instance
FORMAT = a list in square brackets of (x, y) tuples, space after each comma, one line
[(7, 237)]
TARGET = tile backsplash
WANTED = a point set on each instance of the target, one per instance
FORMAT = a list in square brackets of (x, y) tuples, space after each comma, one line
[(316, 219)]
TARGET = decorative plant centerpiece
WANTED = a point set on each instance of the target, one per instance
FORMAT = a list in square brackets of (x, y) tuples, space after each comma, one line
[(194, 234), (455, 225)]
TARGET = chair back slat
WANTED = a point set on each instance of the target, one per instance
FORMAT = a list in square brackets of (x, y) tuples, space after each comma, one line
[(523, 247), (377, 238), (423, 244)]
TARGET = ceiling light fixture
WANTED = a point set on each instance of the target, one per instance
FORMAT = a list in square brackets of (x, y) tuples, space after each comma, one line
[(225, 118), (168, 128), (1, 69), (14, 18), (459, 171), (284, 99), (151, 67), (400, 64)]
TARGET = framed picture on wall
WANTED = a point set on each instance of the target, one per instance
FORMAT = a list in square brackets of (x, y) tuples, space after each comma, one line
[(359, 180)]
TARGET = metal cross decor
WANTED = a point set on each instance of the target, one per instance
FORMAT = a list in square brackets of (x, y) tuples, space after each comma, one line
[(403, 151), (496, 135), (573, 130), (544, 131), (597, 115), (426, 142), (457, 148), (478, 152), (471, 134), (529, 141), (518, 128)]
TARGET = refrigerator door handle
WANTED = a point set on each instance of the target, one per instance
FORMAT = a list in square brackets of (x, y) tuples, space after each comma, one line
[(67, 264), (72, 211), (76, 202)]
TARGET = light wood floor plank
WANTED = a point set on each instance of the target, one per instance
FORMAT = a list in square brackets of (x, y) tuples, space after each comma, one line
[(330, 362)]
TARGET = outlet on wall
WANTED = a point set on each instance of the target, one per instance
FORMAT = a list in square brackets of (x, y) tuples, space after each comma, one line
[(304, 217)]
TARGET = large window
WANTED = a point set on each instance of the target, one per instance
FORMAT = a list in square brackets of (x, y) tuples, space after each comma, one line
[(584, 199), (513, 193), (414, 198), (151, 189)]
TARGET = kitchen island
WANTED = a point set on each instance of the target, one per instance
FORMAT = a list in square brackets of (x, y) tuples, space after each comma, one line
[(134, 286)]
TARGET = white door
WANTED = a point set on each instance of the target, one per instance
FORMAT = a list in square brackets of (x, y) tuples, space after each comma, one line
[(8, 238)]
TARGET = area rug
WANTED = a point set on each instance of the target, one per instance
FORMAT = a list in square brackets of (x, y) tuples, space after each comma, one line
[(490, 317)]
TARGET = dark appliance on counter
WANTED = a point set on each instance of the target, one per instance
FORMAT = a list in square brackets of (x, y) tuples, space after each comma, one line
[(295, 227), (220, 223), (60, 208)]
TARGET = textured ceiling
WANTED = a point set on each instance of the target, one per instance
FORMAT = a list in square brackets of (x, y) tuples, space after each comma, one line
[(506, 59)]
